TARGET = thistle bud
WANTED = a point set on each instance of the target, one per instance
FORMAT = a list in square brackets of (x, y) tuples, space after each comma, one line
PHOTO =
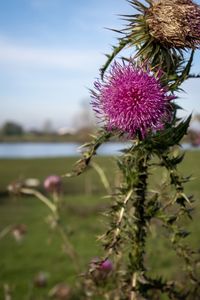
[(19, 231), (60, 291), (52, 184), (41, 279), (106, 266), (100, 270), (15, 187), (174, 23)]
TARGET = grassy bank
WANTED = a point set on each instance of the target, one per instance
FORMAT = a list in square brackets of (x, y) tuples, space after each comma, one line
[(41, 249), (19, 169), (79, 137)]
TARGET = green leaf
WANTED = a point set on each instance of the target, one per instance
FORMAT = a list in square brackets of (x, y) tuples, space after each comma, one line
[(184, 73), (169, 137), (177, 160)]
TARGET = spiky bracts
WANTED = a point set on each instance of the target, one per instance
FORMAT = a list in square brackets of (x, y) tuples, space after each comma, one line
[(159, 32), (132, 100), (174, 23)]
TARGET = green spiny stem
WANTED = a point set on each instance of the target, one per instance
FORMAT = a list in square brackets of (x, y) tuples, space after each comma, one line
[(91, 148), (140, 211), (139, 238), (41, 197), (117, 231)]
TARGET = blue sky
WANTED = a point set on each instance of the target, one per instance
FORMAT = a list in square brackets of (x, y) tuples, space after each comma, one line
[(50, 53)]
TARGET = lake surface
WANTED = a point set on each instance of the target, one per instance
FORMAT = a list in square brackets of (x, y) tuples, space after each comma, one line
[(40, 150), (37, 150)]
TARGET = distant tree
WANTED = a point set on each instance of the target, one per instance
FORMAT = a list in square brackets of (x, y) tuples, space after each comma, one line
[(84, 119), (12, 128), (48, 127), (196, 117)]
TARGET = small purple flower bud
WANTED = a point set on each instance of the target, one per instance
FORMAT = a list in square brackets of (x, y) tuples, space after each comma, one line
[(106, 266), (100, 269), (52, 184)]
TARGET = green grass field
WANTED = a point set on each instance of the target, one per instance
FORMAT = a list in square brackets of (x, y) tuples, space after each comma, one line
[(41, 249)]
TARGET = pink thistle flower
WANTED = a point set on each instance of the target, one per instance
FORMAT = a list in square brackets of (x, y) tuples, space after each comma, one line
[(100, 269), (106, 266), (132, 100), (52, 184)]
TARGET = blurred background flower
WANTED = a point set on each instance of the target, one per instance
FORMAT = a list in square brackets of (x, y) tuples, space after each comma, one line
[(53, 183), (19, 231)]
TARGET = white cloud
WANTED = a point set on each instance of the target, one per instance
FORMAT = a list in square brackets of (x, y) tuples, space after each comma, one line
[(29, 56)]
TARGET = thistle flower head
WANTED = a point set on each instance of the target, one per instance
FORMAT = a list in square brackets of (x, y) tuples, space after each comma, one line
[(132, 100), (52, 184), (175, 23), (160, 31)]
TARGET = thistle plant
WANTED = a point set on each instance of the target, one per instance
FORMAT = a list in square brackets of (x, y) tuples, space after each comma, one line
[(53, 202), (135, 100), (161, 32)]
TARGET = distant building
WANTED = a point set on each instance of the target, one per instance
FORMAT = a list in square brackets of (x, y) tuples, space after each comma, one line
[(66, 131)]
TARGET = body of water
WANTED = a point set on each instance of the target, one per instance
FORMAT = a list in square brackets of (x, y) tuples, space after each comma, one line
[(37, 150), (40, 150)]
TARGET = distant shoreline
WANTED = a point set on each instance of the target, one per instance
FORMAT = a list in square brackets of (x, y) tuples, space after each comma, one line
[(44, 139), (57, 139)]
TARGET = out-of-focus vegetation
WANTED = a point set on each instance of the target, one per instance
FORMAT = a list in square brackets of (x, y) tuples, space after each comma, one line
[(78, 129), (12, 132), (41, 250), (89, 183)]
